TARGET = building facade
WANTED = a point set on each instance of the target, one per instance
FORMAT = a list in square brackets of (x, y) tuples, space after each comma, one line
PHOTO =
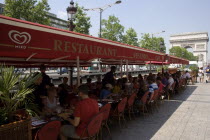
[(198, 41), (57, 22), (1, 8)]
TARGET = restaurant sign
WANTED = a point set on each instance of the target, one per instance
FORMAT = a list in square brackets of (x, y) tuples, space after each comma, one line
[(21, 38)]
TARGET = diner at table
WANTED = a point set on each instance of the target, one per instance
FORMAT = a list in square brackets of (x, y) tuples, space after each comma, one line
[(66, 111), (84, 111), (78, 106)]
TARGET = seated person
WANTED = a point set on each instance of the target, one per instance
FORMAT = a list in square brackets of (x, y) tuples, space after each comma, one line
[(95, 93), (143, 88), (117, 86), (63, 94), (187, 75), (99, 80), (160, 85), (135, 83), (84, 111), (89, 83), (106, 92), (50, 102), (64, 85), (170, 82), (152, 87), (165, 79)]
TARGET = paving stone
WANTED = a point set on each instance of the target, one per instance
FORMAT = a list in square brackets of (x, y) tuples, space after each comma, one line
[(185, 117)]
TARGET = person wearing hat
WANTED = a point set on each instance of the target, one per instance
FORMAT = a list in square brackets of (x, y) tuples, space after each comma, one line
[(106, 92), (84, 111)]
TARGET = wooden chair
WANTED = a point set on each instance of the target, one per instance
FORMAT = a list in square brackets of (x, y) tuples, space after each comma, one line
[(130, 105), (106, 111), (144, 102), (173, 87), (49, 131), (119, 111), (154, 99), (94, 125)]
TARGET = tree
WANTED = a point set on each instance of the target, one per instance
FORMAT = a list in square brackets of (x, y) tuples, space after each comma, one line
[(152, 43), (131, 37), (82, 22), (29, 10), (182, 53), (112, 29)]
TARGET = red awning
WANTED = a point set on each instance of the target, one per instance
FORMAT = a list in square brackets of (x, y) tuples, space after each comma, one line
[(176, 60), (157, 63), (29, 44)]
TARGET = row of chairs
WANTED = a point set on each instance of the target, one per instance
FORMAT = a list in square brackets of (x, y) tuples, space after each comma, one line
[(51, 130), (167, 92)]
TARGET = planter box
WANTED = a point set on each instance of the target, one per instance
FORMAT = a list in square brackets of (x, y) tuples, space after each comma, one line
[(20, 130)]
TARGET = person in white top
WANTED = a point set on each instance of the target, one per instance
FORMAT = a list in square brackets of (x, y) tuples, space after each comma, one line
[(187, 75), (201, 75), (170, 81), (50, 102)]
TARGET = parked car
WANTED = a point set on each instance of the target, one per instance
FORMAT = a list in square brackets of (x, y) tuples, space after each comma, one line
[(63, 70)]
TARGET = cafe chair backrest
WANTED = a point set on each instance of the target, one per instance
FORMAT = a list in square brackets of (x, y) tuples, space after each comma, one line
[(121, 105), (95, 125), (155, 95), (105, 110), (144, 98), (131, 99), (173, 85), (50, 131)]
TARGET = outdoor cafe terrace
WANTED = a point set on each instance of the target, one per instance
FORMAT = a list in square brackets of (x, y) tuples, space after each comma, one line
[(126, 113)]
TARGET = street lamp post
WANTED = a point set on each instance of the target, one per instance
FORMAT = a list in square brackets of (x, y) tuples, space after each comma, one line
[(71, 11), (101, 9), (161, 44)]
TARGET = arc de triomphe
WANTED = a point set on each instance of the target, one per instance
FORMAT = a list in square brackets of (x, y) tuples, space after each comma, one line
[(198, 41)]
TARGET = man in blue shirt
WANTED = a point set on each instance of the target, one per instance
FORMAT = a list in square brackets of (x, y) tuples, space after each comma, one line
[(106, 92)]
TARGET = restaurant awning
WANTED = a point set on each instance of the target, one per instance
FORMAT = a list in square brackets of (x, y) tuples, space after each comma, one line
[(176, 60), (24, 43), (157, 63)]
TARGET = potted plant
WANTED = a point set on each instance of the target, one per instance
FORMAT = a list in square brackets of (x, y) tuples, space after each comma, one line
[(16, 94)]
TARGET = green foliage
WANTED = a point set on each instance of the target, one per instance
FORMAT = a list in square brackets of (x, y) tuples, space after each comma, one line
[(29, 10), (194, 67), (152, 43), (112, 29), (82, 21), (131, 37), (15, 93), (182, 53)]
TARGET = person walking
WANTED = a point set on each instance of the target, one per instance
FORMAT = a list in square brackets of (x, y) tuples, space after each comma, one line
[(207, 72)]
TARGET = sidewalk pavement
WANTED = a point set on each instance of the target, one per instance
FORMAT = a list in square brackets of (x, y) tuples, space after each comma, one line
[(185, 117)]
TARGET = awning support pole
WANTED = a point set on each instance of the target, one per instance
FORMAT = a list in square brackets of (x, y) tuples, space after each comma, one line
[(127, 68), (162, 68), (78, 72), (121, 74), (71, 76), (99, 65), (60, 71), (150, 67)]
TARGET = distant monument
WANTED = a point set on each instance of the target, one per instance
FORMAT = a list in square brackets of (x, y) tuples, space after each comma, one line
[(198, 41)]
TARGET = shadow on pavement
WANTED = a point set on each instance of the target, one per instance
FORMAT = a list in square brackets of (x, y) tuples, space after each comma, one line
[(144, 128)]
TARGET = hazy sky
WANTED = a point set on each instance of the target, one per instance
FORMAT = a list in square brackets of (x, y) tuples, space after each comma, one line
[(146, 16)]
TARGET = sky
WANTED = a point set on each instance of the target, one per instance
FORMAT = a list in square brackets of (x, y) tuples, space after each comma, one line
[(146, 16)]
